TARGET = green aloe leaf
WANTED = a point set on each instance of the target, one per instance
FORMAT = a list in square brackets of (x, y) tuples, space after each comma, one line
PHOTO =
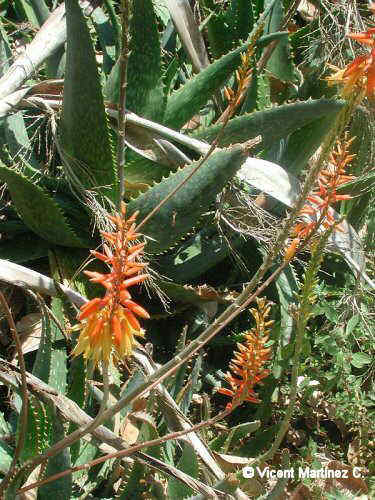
[(287, 287), (303, 143), (56, 376), (258, 96), (51, 367), (243, 18), (61, 488), (84, 133), (38, 210), (219, 36), (34, 11), (38, 429), (148, 432), (240, 432), (41, 10), (280, 63), (187, 101), (273, 124), (145, 94), (17, 140), (189, 464), (145, 87), (39, 422), (197, 254), (82, 451), (175, 382), (107, 38), (192, 385), (6, 455), (143, 171), (59, 356), (226, 28), (135, 485), (53, 354), (180, 214)]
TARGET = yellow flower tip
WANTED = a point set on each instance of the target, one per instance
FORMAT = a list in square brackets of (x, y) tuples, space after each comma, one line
[(107, 331)]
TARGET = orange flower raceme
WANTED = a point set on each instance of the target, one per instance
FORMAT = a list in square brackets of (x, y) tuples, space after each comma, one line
[(247, 365), (360, 73), (321, 199), (112, 322)]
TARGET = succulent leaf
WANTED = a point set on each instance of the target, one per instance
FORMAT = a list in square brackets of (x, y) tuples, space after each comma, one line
[(189, 464), (273, 124), (145, 94), (280, 64), (84, 133), (38, 210), (180, 214)]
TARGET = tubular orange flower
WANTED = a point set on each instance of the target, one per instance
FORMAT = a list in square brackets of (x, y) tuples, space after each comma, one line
[(365, 37), (360, 73), (319, 202), (247, 365), (110, 324)]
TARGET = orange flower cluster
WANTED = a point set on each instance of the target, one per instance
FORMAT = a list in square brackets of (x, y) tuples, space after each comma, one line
[(248, 362), (111, 322), (322, 198), (360, 73), (243, 77)]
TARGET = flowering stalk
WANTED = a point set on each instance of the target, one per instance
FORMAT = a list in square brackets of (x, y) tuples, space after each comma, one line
[(248, 362), (321, 199), (111, 323), (243, 77), (306, 301)]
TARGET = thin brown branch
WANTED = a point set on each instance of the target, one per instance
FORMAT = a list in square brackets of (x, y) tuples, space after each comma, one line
[(290, 13), (108, 441), (124, 58), (129, 451), (24, 395)]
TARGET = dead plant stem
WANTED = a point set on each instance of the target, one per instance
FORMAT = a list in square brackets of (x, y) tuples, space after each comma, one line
[(127, 452), (24, 394)]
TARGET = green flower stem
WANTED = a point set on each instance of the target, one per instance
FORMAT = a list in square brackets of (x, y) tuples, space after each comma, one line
[(306, 300)]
